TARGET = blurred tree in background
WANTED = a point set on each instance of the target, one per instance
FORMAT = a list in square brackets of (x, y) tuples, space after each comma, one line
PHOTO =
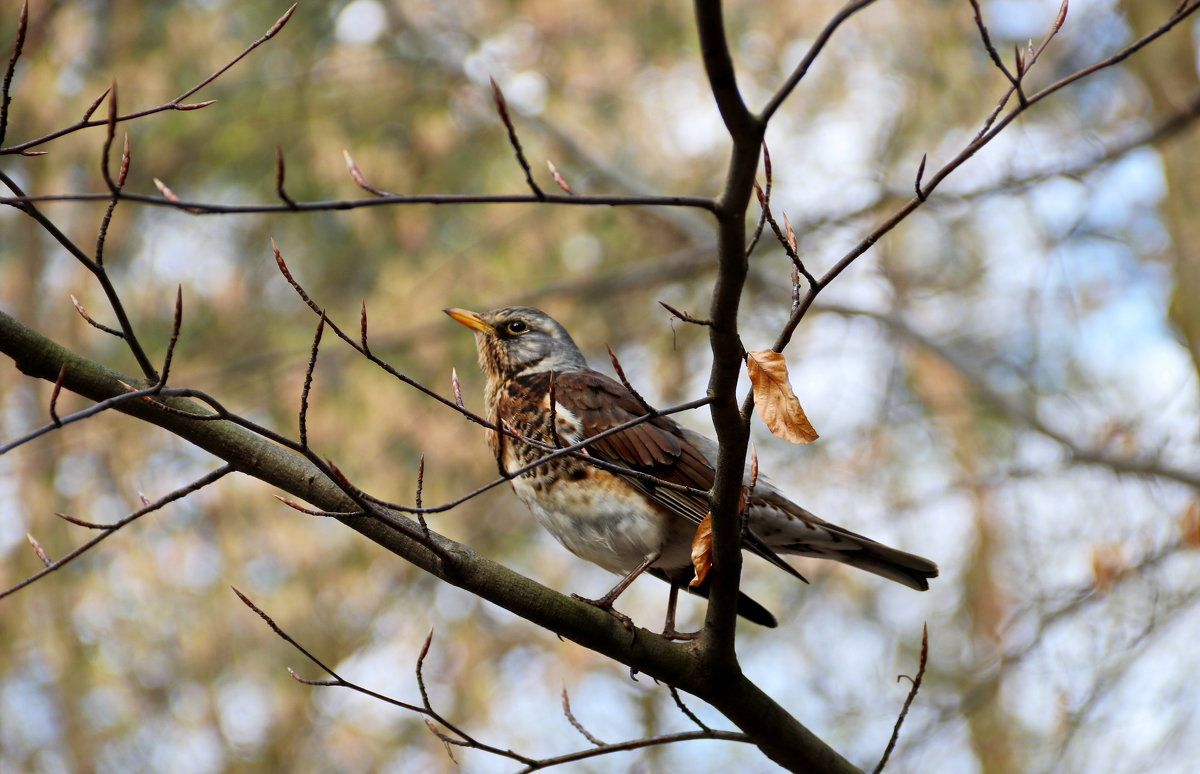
[(1006, 383)]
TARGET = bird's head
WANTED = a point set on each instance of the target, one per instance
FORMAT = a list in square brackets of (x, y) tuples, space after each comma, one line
[(520, 340)]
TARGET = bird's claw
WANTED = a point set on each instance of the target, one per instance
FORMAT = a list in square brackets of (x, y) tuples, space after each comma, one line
[(606, 606), (670, 633)]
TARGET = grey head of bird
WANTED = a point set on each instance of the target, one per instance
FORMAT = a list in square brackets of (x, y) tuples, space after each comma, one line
[(520, 340)]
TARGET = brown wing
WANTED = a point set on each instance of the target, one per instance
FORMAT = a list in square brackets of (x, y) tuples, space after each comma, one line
[(656, 447)]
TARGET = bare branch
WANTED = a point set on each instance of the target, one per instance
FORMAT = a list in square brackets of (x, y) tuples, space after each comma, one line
[(848, 10), (6, 87), (625, 381), (684, 315), (175, 104), (308, 377), (110, 529), (502, 109), (566, 708), (912, 694)]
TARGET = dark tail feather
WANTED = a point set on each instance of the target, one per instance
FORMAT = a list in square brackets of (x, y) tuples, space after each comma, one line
[(891, 563), (747, 607), (865, 554)]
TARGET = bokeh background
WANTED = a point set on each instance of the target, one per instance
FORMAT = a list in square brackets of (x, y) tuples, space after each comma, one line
[(1007, 383)]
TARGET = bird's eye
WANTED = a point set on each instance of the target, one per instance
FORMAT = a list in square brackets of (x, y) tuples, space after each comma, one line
[(516, 326)]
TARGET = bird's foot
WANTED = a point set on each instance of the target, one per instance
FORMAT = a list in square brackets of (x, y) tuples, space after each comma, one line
[(670, 633), (606, 604)]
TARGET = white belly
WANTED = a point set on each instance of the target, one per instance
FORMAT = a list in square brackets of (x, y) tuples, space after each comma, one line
[(616, 529)]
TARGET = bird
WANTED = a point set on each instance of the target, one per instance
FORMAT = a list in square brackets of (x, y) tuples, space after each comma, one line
[(613, 503)]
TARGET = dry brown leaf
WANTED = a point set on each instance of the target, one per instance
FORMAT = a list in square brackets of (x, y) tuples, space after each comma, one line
[(777, 406), (1189, 525), (702, 550)]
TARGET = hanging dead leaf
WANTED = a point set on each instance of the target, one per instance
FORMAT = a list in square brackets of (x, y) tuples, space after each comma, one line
[(1189, 525), (702, 550), (778, 407)]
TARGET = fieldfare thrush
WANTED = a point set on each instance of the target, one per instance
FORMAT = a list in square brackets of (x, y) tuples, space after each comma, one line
[(539, 387)]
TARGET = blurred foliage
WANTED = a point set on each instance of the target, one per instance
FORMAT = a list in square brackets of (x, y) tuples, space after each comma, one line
[(1053, 292)]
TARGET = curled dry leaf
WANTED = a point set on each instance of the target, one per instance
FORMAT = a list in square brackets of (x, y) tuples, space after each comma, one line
[(777, 406), (1189, 525), (702, 550)]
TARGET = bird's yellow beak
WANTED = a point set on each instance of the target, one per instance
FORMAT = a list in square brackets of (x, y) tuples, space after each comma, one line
[(469, 319)]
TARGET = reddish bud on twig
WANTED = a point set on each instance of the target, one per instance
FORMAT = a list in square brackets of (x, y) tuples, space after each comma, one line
[(920, 175), (338, 474), (99, 326), (559, 178), (144, 500), (167, 193), (123, 172), (357, 175), (87, 114), (195, 105), (34, 153), (791, 235), (425, 646), (306, 681), (458, 400), (278, 25), (1062, 16), (37, 549), (362, 327)]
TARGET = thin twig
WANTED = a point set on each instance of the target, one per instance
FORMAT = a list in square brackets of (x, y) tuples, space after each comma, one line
[(280, 175), (686, 710), (308, 378), (97, 271), (6, 88), (566, 708), (417, 499), (912, 694), (810, 56), (109, 529), (62, 372), (502, 109), (986, 37), (90, 321), (616, 364), (175, 104), (684, 315)]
